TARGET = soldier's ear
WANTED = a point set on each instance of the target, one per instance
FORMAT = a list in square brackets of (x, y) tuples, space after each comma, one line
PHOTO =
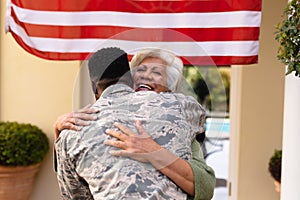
[(98, 93)]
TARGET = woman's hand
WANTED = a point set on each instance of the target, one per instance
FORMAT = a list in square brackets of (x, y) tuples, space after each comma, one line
[(143, 148), (75, 120), (138, 146)]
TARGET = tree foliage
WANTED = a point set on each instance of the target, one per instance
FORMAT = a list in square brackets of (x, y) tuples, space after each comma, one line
[(211, 86), (288, 36)]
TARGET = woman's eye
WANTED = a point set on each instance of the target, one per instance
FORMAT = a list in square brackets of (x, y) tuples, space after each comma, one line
[(140, 70), (157, 73)]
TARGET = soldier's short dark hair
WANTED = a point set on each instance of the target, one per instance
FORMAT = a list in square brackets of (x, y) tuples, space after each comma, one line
[(108, 65)]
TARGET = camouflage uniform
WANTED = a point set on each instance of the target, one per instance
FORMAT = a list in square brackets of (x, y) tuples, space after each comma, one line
[(86, 170)]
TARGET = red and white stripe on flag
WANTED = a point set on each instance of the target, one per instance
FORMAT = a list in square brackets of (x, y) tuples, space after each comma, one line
[(202, 32)]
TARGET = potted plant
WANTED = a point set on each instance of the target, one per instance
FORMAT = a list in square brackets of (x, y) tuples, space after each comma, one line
[(22, 149), (274, 168), (288, 36)]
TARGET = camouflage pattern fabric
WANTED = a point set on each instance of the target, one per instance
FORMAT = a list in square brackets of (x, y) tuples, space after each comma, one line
[(86, 170)]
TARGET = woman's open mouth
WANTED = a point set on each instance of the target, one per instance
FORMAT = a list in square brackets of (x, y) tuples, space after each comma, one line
[(144, 87)]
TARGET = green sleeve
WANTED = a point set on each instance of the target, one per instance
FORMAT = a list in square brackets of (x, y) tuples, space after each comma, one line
[(204, 175)]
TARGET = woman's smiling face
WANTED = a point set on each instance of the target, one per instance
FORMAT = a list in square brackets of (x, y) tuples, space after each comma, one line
[(151, 74)]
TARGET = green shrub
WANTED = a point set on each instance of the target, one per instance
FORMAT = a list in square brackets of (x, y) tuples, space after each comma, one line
[(275, 165), (22, 144)]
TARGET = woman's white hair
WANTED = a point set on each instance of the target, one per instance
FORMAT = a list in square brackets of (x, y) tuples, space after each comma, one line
[(174, 65)]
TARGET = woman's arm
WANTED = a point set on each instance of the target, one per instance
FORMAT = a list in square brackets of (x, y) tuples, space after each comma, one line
[(143, 148), (204, 176), (74, 120)]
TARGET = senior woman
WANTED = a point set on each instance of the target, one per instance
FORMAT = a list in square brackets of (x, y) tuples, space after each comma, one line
[(160, 71)]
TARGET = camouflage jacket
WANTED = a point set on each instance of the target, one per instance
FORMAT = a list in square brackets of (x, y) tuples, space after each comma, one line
[(86, 170)]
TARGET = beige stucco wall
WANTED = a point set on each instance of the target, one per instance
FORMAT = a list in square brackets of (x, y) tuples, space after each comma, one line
[(257, 114), (37, 91)]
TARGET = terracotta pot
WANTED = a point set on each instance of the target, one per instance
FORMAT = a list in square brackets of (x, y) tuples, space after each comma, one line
[(16, 182)]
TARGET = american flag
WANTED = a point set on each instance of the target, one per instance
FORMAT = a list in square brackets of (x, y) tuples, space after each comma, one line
[(201, 32)]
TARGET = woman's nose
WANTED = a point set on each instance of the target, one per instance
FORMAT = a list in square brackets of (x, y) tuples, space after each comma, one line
[(147, 75)]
